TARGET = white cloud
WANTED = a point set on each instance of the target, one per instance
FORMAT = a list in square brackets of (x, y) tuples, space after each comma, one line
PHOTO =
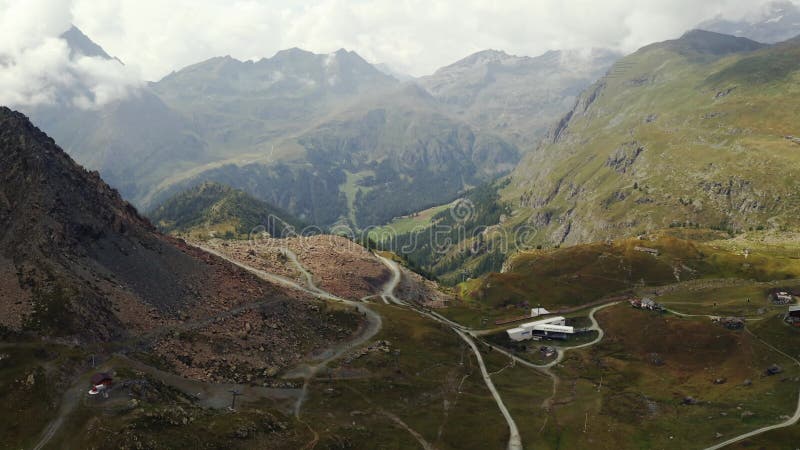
[(36, 65), (415, 36)]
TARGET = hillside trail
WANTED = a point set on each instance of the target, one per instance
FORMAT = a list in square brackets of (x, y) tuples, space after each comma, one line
[(69, 401), (310, 284), (271, 277), (514, 439), (707, 316)]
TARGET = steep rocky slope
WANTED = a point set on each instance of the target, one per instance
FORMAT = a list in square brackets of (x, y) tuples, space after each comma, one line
[(695, 131), (76, 260)]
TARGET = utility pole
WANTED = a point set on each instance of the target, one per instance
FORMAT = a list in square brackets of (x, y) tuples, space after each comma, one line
[(235, 393)]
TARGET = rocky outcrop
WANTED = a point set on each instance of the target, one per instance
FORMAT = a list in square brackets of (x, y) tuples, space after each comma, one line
[(581, 107), (624, 156)]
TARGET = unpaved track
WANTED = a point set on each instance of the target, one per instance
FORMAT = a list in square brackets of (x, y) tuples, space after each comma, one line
[(394, 281), (271, 277), (514, 439), (306, 274), (420, 439), (309, 371), (215, 394), (69, 402), (561, 351), (212, 395)]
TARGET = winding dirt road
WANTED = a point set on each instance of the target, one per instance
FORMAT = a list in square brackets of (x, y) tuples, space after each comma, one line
[(70, 400), (514, 439), (309, 371)]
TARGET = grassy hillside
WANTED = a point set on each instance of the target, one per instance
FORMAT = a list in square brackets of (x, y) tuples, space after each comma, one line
[(582, 274), (694, 131), (212, 209)]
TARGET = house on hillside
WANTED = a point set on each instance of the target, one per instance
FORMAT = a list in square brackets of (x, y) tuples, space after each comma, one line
[(101, 383), (646, 303), (781, 297)]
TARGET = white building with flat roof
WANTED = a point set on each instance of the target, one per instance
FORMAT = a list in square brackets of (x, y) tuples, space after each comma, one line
[(519, 334), (553, 326)]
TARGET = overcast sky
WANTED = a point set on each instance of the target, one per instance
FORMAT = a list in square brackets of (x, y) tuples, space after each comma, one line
[(415, 36), (154, 37)]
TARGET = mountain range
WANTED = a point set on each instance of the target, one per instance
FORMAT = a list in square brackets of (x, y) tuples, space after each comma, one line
[(680, 132), (332, 139), (517, 96), (269, 126), (79, 264), (696, 132)]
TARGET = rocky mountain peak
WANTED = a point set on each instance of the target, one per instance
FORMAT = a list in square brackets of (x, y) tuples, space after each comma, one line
[(477, 59), (81, 44)]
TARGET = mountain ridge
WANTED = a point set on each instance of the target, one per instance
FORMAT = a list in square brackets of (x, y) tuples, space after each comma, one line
[(212, 208), (244, 123), (777, 21), (622, 173)]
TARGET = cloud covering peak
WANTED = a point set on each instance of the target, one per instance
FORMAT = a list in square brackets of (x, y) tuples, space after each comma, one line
[(417, 37), (37, 65)]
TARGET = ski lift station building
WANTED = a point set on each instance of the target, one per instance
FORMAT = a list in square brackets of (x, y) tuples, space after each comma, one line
[(553, 327)]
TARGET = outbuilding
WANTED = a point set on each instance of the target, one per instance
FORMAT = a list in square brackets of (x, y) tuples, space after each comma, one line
[(536, 312)]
